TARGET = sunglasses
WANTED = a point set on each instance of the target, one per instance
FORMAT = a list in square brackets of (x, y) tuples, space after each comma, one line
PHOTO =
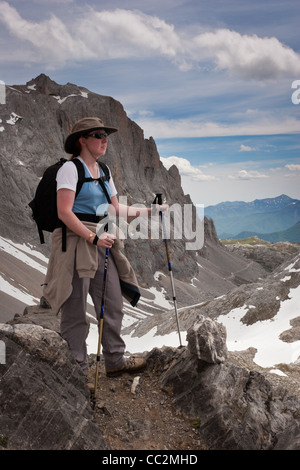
[(98, 135)]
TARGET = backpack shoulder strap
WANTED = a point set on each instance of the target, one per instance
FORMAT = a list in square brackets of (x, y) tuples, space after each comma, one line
[(106, 177), (105, 170), (82, 178), (81, 174)]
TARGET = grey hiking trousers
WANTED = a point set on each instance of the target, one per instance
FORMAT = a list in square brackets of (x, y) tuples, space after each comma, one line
[(74, 324)]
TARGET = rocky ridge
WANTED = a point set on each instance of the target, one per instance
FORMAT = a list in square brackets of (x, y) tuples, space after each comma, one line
[(196, 397)]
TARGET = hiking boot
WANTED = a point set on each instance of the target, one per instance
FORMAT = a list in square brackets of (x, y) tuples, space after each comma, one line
[(91, 387), (132, 365)]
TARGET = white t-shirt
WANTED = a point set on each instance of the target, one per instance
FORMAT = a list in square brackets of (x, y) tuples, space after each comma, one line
[(91, 199)]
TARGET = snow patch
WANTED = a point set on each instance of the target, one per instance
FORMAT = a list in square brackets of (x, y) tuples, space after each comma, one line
[(157, 275), (18, 293), (135, 344), (290, 268), (60, 100), (277, 372), (19, 251), (159, 298), (264, 335), (13, 119)]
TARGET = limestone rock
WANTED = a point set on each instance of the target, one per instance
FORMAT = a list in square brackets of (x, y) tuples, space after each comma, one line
[(207, 341), (44, 400), (237, 409)]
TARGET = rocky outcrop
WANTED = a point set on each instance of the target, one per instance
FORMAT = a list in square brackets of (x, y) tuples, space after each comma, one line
[(236, 408), (44, 400), (267, 254), (207, 341), (45, 404)]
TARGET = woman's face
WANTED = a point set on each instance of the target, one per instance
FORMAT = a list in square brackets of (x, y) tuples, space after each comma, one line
[(97, 142)]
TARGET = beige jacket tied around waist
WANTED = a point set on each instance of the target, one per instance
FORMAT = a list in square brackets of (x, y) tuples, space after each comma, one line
[(83, 255)]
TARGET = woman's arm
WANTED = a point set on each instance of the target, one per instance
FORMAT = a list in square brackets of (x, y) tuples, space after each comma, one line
[(65, 201), (131, 211)]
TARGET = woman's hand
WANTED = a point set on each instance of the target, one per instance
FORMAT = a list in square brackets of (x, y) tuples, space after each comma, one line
[(163, 208), (156, 209), (106, 240)]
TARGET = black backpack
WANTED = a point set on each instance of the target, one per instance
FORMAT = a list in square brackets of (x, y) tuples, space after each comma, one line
[(43, 206)]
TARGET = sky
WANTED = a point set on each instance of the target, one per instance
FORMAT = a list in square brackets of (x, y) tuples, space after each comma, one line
[(216, 83)]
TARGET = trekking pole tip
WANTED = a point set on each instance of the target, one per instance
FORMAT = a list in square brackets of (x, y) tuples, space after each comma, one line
[(93, 402)]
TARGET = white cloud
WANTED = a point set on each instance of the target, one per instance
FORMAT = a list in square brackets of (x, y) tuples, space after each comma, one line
[(124, 33), (196, 127), (229, 183), (100, 35), (44, 2), (247, 175), (248, 56), (246, 148), (293, 167), (94, 35), (54, 41), (185, 168)]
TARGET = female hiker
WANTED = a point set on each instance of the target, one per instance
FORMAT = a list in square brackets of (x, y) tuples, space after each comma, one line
[(78, 272)]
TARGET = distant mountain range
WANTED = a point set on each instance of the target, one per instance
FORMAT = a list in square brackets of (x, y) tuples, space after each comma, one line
[(291, 234), (272, 219)]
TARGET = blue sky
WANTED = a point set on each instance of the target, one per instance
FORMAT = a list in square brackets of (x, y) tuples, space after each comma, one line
[(211, 81)]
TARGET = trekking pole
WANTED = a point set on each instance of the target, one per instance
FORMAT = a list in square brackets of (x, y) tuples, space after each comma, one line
[(158, 200), (100, 326)]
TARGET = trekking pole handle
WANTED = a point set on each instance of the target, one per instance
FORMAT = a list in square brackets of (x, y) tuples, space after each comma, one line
[(157, 202)]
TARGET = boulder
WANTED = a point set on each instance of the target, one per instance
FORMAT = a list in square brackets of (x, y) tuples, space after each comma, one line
[(237, 409), (44, 400), (207, 341)]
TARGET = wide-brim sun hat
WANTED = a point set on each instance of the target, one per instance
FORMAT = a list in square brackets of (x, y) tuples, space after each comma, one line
[(83, 127)]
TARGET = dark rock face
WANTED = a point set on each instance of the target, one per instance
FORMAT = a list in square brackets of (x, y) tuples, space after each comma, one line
[(236, 409), (44, 400), (37, 118)]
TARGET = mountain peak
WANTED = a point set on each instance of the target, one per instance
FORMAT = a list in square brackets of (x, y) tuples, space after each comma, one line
[(260, 216), (45, 86)]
